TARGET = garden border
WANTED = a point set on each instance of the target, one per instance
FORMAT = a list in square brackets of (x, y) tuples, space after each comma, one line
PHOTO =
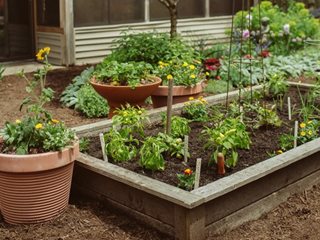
[(214, 208)]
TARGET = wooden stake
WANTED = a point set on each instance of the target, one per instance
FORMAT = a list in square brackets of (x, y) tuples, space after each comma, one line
[(169, 106), (198, 171), (289, 108), (241, 113), (295, 134), (103, 147), (186, 148), (220, 164)]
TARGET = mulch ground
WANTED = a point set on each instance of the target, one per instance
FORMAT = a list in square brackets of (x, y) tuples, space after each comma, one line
[(298, 218)]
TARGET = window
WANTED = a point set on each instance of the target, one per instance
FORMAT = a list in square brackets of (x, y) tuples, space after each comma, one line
[(48, 13), (18, 15), (186, 9), (221, 8), (102, 12)]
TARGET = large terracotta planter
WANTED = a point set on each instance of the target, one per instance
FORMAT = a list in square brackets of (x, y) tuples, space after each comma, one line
[(180, 94), (120, 95), (35, 188)]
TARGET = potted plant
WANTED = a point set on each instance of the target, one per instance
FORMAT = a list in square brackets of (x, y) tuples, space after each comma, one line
[(37, 154), (121, 83), (187, 81)]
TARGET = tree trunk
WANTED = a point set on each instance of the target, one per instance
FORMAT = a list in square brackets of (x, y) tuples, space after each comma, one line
[(173, 21)]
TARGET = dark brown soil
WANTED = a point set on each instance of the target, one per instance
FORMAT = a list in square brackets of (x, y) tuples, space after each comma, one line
[(298, 218)]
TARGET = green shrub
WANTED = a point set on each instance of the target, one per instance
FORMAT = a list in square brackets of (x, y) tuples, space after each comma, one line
[(90, 103)]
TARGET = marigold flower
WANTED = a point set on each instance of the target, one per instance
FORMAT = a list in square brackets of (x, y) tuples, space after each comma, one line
[(192, 67), (207, 73), (39, 55), (193, 76), (191, 98), (302, 125), (140, 112), (55, 121), (18, 121), (46, 50), (188, 171), (310, 132), (303, 133), (39, 126), (185, 64), (169, 77)]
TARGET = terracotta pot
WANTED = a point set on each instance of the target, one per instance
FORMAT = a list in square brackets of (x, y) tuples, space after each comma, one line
[(36, 187), (120, 95), (180, 94)]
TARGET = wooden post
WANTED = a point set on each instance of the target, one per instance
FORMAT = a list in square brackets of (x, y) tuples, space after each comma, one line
[(198, 172), (186, 146), (169, 106), (220, 164), (289, 108), (103, 147), (295, 134)]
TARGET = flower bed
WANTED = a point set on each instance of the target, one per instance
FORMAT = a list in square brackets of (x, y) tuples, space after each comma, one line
[(218, 206)]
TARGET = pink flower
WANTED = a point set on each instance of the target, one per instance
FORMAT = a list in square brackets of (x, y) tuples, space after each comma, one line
[(246, 34), (212, 64)]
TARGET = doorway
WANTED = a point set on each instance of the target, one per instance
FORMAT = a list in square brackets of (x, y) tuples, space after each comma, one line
[(16, 30)]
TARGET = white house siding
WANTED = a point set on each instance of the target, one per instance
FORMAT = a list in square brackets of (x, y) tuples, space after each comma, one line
[(57, 44), (92, 44)]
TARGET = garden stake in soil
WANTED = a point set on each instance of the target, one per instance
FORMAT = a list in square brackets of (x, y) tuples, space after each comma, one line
[(198, 171), (289, 108), (186, 144), (295, 134), (220, 164), (103, 149), (169, 106)]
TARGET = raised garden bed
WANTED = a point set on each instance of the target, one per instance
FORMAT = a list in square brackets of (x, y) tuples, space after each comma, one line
[(218, 206)]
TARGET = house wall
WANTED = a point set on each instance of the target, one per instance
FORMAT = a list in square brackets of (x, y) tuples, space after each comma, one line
[(92, 44)]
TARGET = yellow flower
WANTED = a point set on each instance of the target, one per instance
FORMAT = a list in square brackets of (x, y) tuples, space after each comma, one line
[(191, 98), (40, 55), (207, 73), (125, 113), (46, 50), (55, 121), (193, 76), (302, 133), (39, 126), (185, 64), (302, 125), (279, 151), (18, 121), (188, 171), (160, 62), (310, 133), (192, 67), (140, 112), (169, 77)]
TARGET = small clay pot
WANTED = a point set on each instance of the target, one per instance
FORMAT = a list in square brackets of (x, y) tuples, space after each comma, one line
[(120, 95), (180, 94)]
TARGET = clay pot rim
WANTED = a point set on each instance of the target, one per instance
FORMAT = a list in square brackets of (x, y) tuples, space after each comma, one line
[(179, 90), (198, 84), (157, 81), (39, 161)]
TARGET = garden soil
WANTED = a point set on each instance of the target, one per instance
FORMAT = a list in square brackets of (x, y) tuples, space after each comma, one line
[(298, 218)]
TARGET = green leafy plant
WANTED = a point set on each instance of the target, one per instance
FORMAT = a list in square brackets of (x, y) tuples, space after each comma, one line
[(196, 109), (69, 96), (179, 126), (186, 179), (286, 142), (174, 146), (84, 144), (277, 86), (151, 153), (267, 117), (90, 103), (182, 72), (130, 74), (226, 137), (308, 130), (37, 131)]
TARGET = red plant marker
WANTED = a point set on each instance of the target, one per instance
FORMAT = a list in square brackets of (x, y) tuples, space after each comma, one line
[(220, 164)]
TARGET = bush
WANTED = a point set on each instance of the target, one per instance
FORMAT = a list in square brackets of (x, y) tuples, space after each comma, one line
[(90, 103)]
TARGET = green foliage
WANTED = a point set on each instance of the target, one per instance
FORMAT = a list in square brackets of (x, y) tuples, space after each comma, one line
[(119, 147), (179, 126), (174, 146), (151, 47), (218, 86), (196, 109), (151, 153), (69, 96), (124, 74), (308, 131), (186, 179), (183, 73), (267, 117), (90, 103), (1, 71), (226, 137), (286, 142), (84, 144), (277, 86), (37, 131)]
